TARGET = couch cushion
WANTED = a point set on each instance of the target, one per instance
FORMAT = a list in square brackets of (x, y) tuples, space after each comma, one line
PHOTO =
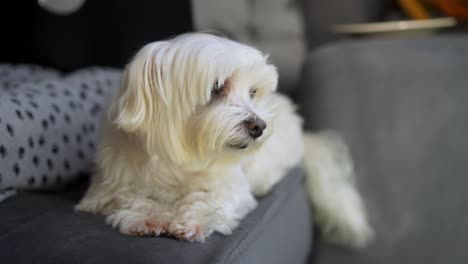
[(41, 227), (49, 123)]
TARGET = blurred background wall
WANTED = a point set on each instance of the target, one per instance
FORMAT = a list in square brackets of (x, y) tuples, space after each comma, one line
[(273, 26)]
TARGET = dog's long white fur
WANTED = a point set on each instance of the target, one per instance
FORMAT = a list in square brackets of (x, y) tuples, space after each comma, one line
[(176, 158)]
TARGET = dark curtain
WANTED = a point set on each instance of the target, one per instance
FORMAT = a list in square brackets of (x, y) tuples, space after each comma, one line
[(102, 32)]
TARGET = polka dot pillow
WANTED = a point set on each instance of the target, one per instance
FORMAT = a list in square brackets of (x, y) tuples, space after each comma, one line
[(49, 124)]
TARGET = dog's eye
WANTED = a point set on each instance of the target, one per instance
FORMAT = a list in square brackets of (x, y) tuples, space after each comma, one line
[(217, 89), (253, 92)]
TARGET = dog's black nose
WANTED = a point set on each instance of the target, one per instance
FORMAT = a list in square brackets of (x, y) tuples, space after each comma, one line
[(255, 126)]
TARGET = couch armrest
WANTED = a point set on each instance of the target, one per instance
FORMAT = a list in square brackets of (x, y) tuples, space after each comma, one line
[(402, 105)]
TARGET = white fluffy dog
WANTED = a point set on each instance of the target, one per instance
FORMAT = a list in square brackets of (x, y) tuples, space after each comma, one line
[(196, 132)]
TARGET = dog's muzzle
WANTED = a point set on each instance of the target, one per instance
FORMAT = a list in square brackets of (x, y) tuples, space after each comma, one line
[(255, 126)]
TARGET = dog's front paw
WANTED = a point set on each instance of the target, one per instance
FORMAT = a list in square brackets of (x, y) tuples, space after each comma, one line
[(146, 228), (140, 226), (199, 229), (191, 232)]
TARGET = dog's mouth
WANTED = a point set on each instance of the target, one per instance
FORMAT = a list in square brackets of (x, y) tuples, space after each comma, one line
[(238, 146)]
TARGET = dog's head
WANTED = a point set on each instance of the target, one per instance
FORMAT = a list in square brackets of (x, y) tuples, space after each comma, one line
[(196, 97)]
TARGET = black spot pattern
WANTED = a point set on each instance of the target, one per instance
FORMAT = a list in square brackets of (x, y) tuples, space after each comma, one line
[(10, 130), (67, 119), (30, 115), (50, 164), (31, 142), (95, 109), (84, 128), (99, 91), (52, 119), (15, 101), (45, 124), (55, 149), (67, 92), (20, 152), (19, 114), (44, 179), (56, 108), (33, 104), (31, 181), (66, 165), (92, 128), (65, 138), (72, 105), (48, 123), (35, 161), (91, 145), (3, 151), (83, 95), (16, 169), (41, 141), (80, 154)]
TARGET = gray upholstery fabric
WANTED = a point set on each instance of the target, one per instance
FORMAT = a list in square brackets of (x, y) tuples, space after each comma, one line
[(402, 104), (42, 228)]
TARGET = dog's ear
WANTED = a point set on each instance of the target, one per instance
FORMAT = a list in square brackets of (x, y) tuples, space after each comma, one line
[(140, 89)]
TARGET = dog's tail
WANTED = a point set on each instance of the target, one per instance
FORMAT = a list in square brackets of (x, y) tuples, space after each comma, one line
[(338, 207)]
